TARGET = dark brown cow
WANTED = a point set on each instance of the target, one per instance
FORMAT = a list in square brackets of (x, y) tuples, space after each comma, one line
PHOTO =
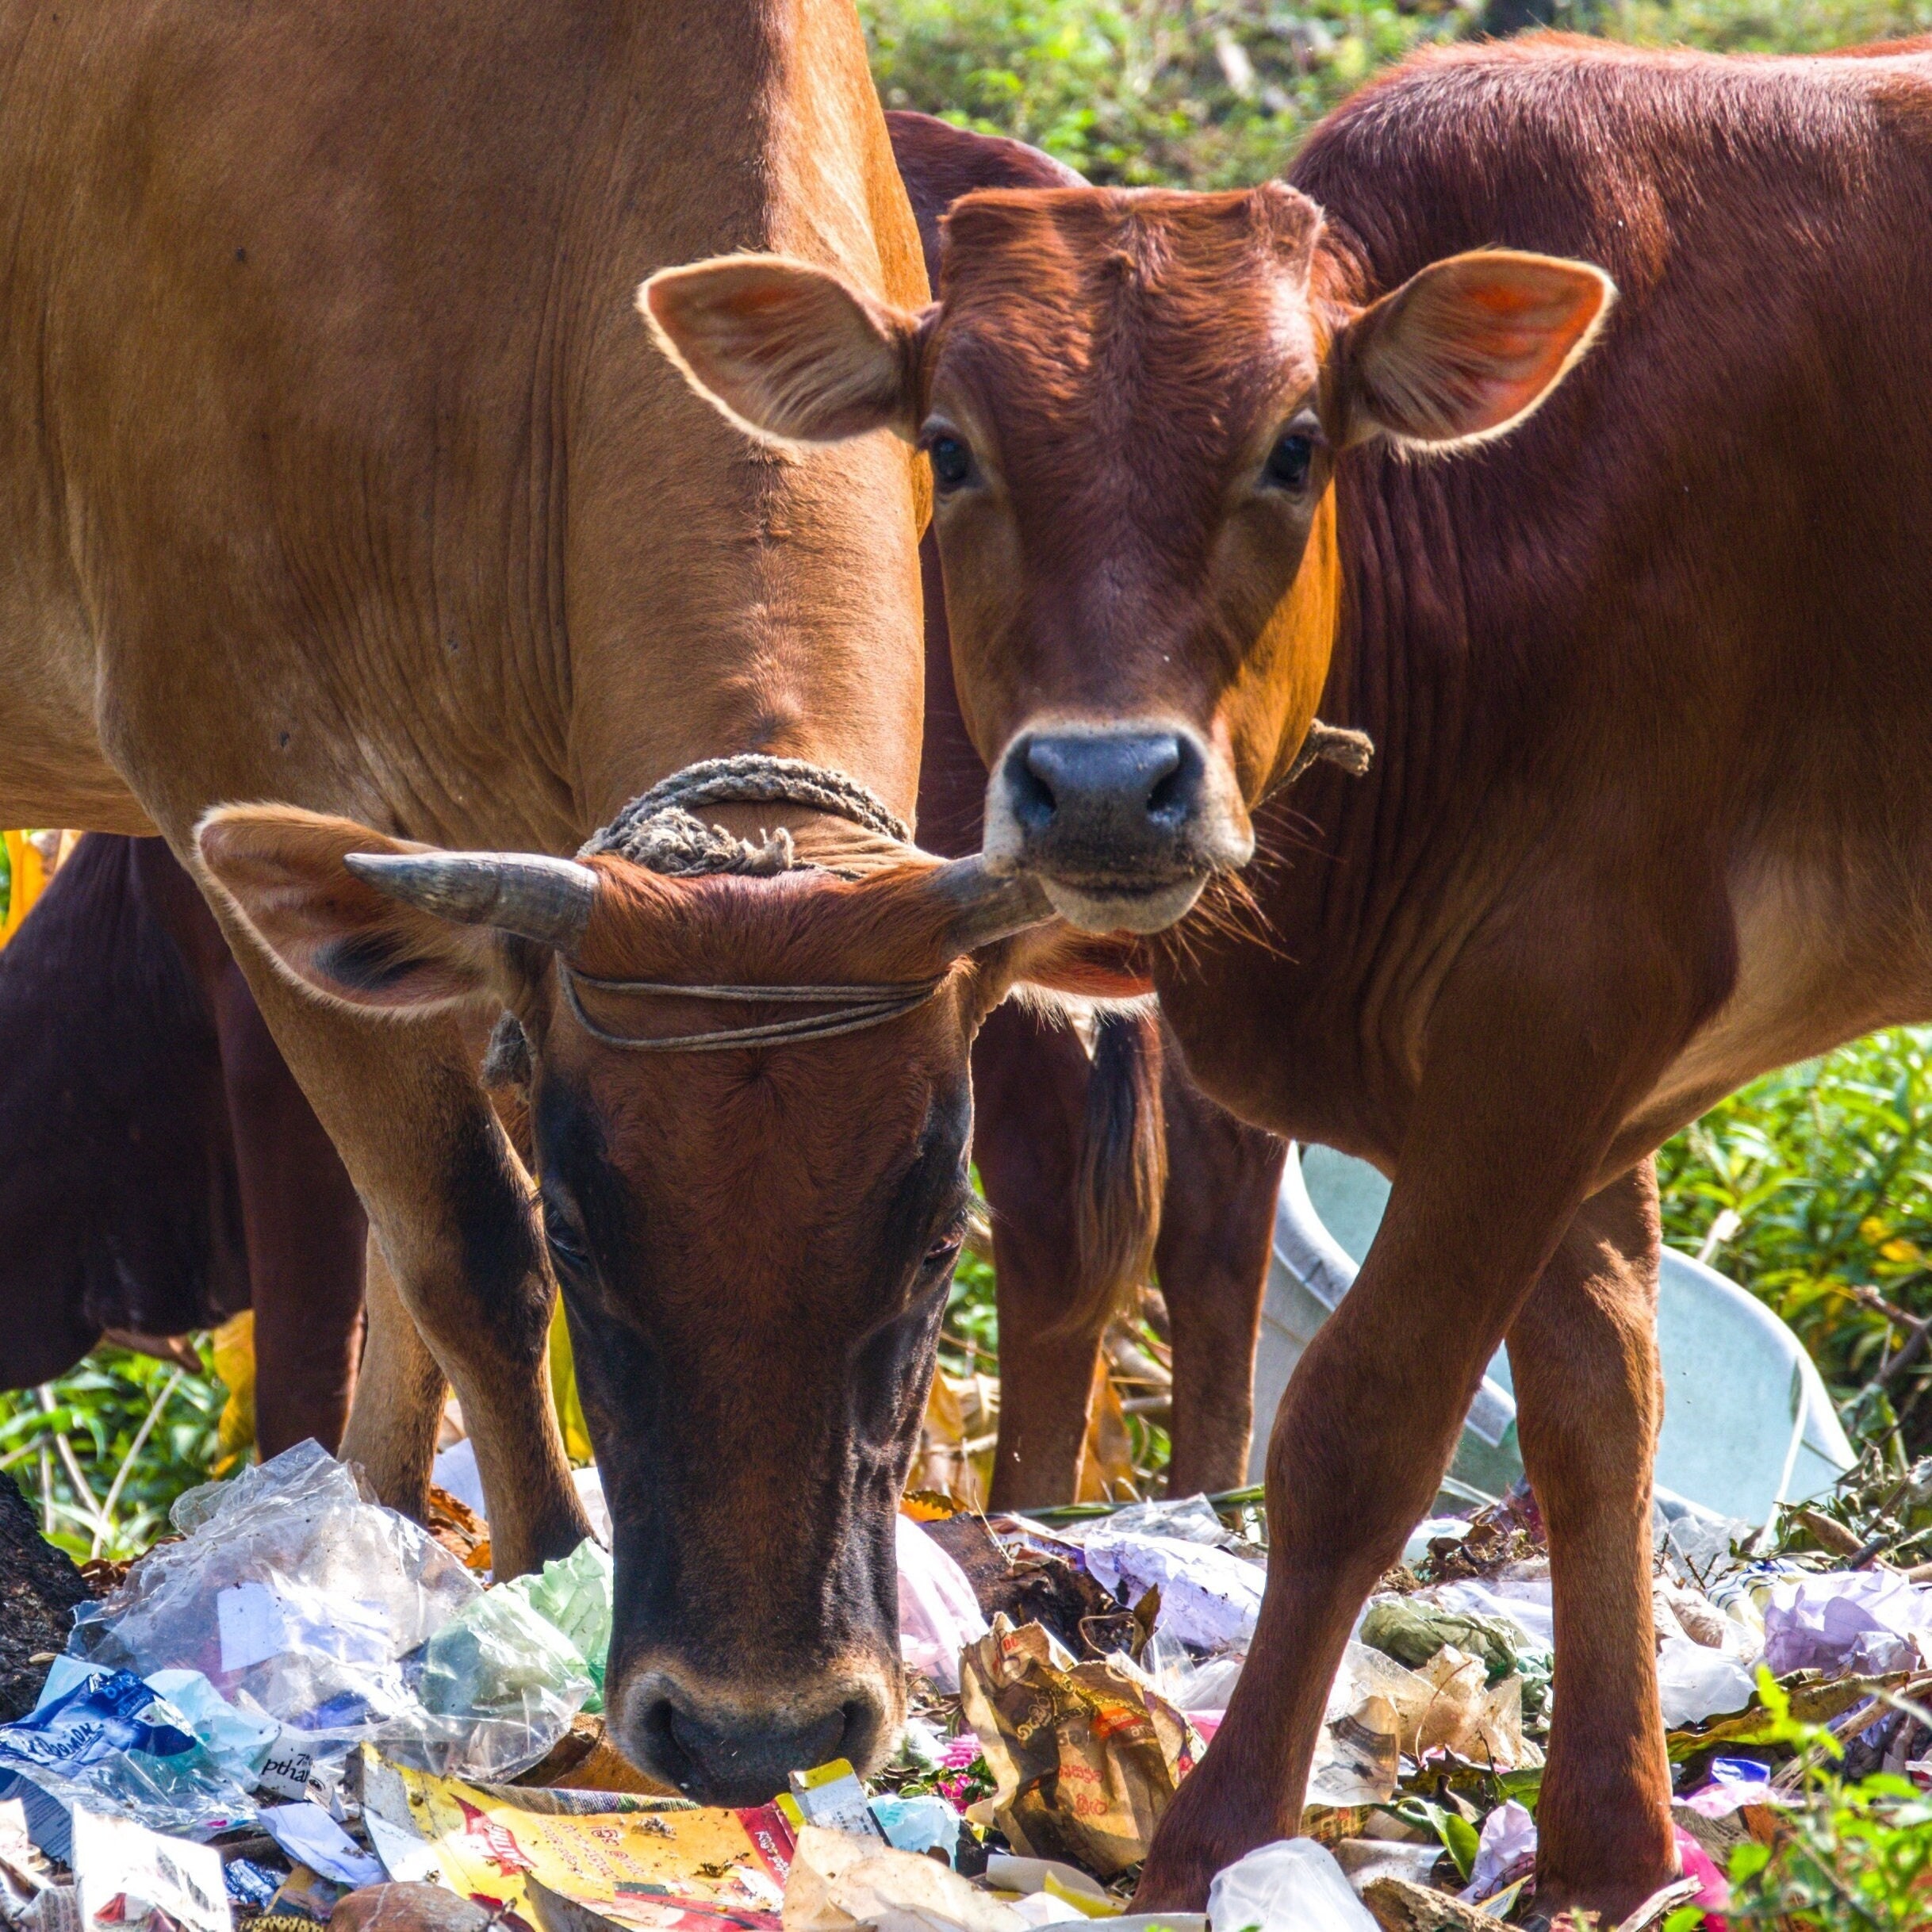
[(160, 1169), (1077, 1210), (1645, 677)]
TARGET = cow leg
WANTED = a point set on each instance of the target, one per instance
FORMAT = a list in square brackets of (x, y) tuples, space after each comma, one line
[(1501, 1151), (304, 1232), (1590, 1402), (453, 1213), (1029, 1090), (1217, 1223), (400, 1390)]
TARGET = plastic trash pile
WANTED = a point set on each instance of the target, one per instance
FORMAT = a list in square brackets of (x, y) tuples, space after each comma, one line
[(309, 1711)]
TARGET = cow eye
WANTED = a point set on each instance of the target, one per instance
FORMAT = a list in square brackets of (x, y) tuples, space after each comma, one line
[(952, 462), (943, 1253), (1291, 461), (566, 1242)]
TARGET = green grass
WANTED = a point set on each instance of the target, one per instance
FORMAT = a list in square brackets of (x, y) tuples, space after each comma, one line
[(1197, 94), (98, 1412)]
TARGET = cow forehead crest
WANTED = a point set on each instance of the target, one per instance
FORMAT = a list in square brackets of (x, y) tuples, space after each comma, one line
[(1078, 247), (1066, 300)]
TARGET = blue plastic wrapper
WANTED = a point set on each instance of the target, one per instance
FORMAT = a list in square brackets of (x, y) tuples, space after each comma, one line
[(111, 1744), (302, 1601), (249, 1885), (921, 1824)]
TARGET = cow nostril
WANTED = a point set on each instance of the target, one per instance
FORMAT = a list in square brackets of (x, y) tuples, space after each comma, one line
[(670, 1748), (1174, 794), (1029, 789)]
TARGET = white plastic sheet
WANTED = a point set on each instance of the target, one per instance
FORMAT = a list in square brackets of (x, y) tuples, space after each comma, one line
[(1210, 1599), (938, 1614), (1869, 1620), (1292, 1885)]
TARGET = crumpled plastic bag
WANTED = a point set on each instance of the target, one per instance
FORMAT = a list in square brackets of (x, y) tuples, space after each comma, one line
[(938, 1614), (838, 1882), (526, 1646), (1412, 1629), (1695, 1681), (1358, 1748), (1210, 1599), (1859, 1620), (298, 1596), (496, 1656), (1186, 1519), (1292, 1885), (238, 1741), (1086, 1758), (1509, 1840), (1448, 1705), (111, 1746), (1412, 1632), (574, 1595)]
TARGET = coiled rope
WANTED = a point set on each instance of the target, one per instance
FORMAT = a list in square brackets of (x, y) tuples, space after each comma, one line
[(659, 832)]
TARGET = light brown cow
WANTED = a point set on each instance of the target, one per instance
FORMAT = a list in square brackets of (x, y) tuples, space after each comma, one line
[(1646, 676), (341, 470)]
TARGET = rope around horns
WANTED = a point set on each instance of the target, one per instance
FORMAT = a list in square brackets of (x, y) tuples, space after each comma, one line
[(658, 831)]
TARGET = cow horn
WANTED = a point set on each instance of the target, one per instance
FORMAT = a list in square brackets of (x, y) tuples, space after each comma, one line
[(545, 899), (990, 906)]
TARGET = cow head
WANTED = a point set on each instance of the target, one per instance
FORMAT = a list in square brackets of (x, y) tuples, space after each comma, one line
[(753, 1244), (1133, 403)]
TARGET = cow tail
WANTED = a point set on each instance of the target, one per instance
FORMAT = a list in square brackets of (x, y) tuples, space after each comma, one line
[(1123, 1170)]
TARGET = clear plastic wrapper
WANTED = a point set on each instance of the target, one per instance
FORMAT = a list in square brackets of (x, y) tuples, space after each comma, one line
[(301, 1599), (497, 1658), (573, 1597)]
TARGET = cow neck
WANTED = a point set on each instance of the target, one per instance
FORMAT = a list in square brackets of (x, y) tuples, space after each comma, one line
[(720, 596), (1299, 1012)]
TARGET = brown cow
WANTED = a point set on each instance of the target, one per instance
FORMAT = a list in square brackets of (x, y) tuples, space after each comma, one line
[(342, 471), (1641, 677), (159, 1168)]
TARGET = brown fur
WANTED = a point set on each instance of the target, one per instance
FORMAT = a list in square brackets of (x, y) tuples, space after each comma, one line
[(342, 471), (1186, 1178), (1625, 842), (1644, 675)]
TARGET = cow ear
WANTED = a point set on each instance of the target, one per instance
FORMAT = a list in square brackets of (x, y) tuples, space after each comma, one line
[(1468, 348), (789, 352), (284, 873)]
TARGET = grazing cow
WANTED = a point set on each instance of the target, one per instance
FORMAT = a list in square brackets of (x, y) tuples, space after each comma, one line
[(162, 1169), (1078, 1207), (1642, 672), (341, 472), (159, 1168)]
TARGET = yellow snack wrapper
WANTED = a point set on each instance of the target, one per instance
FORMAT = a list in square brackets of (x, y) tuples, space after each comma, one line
[(659, 1864)]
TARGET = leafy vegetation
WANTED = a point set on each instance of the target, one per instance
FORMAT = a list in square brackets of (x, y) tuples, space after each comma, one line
[(1216, 94), (1813, 1188), (1856, 1856), (103, 1452)]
